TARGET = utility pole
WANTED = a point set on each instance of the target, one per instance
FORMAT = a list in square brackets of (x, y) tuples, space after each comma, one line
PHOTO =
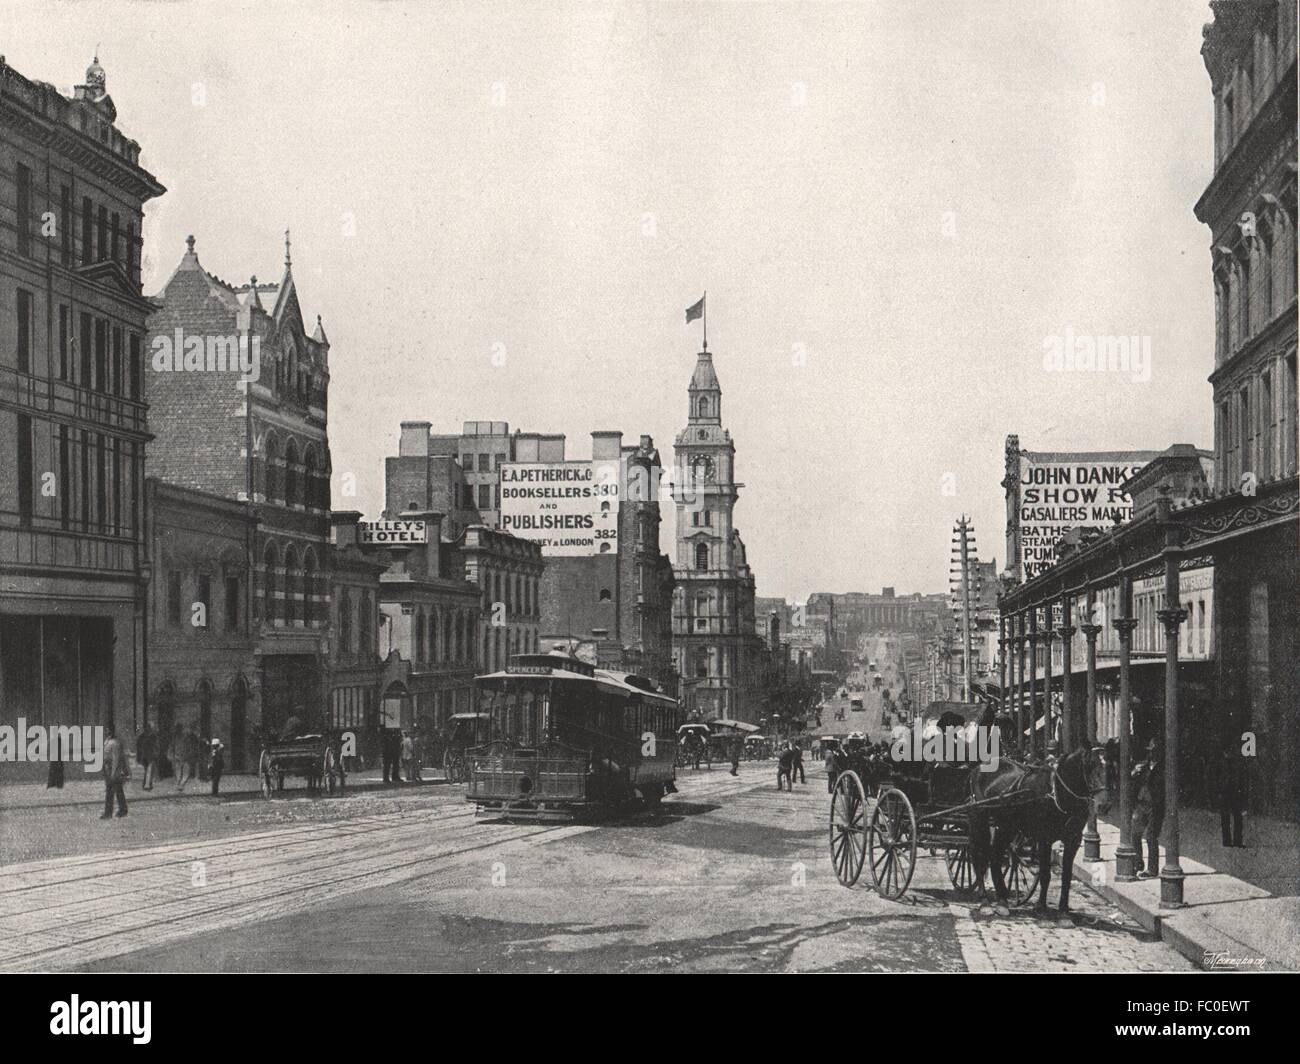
[(963, 532)]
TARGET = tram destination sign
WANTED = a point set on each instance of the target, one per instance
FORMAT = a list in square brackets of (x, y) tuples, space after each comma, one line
[(392, 532), (570, 508)]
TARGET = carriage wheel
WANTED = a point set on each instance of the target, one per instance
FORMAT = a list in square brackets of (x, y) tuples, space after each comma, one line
[(455, 768), (264, 771), (891, 844), (332, 772), (848, 828), (1021, 872), (961, 870)]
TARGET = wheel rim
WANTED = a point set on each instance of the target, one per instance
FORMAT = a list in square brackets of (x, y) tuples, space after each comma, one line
[(848, 828), (891, 844), (961, 870), (1022, 872)]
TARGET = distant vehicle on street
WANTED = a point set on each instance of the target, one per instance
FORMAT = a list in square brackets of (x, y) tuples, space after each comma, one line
[(855, 705)]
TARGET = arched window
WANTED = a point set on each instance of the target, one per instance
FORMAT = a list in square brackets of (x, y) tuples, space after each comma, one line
[(309, 571), (702, 662), (703, 406), (417, 652), (365, 642), (291, 485), (311, 493), (345, 622), (291, 585), (431, 647), (701, 556), (604, 595), (271, 610), (272, 475)]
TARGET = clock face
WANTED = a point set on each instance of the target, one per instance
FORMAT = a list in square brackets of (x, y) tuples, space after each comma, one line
[(702, 467)]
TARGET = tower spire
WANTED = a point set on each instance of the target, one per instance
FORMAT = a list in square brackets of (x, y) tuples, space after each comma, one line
[(287, 260)]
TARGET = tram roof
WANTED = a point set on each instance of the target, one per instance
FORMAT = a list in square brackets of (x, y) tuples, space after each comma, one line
[(567, 669)]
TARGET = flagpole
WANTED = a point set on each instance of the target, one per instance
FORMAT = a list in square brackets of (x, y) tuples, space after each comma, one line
[(704, 313)]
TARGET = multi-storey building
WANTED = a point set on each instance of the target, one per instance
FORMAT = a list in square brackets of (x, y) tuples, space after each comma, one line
[(201, 635), (719, 653), (72, 413), (508, 573), (238, 390)]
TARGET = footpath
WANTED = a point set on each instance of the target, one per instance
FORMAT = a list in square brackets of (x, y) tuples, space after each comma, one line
[(1242, 905)]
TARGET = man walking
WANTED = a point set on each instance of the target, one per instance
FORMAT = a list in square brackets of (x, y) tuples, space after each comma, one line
[(785, 768), (146, 753), (191, 751), (408, 756), (1148, 809), (217, 766), (1232, 792), (797, 767), (116, 771)]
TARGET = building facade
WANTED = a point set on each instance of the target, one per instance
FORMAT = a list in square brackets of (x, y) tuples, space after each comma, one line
[(239, 393), (201, 635), (73, 428), (719, 652)]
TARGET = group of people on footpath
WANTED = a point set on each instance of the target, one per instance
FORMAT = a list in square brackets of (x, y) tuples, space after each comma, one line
[(402, 753), (181, 759), (789, 764)]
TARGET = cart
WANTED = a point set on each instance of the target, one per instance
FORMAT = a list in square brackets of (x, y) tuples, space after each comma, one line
[(313, 757), (883, 824), (464, 731)]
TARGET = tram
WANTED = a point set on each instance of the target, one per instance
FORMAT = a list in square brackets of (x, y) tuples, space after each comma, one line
[(567, 739)]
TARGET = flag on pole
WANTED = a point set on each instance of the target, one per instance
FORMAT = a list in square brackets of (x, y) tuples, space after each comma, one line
[(696, 311)]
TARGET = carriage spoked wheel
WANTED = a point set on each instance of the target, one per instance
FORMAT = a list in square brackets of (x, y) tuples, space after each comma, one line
[(961, 870), (332, 772), (848, 827), (265, 774), (455, 768), (1021, 872), (891, 844)]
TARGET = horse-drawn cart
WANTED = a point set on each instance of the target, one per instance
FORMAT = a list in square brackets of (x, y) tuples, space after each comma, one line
[(314, 757)]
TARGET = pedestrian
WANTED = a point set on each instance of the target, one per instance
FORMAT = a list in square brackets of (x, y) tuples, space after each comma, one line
[(216, 766), (1232, 792), (798, 765), (735, 756), (146, 753), (1148, 809), (785, 768), (417, 755), (391, 745), (408, 755), (54, 777), (116, 770), (191, 751)]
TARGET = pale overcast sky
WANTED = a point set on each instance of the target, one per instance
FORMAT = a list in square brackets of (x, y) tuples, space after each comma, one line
[(919, 194)]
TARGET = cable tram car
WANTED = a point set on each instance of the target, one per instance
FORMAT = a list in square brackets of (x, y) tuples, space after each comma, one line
[(567, 738)]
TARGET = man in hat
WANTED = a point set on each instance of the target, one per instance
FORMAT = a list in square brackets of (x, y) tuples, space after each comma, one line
[(1148, 781), (217, 766), (116, 771)]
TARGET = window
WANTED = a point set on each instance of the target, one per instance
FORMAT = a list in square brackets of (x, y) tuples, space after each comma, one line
[(269, 610), (117, 361), (205, 597), (118, 523), (24, 449), (87, 225), (345, 623), (135, 379), (101, 355), (101, 485), (417, 651), (65, 224), (701, 557), (115, 246), (485, 496), (86, 347), (484, 461), (101, 234), (605, 596), (65, 477), (24, 218), (174, 598), (24, 331), (232, 604), (130, 250), (63, 343)]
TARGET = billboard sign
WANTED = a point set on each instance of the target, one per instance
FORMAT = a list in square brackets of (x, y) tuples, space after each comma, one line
[(570, 508), (392, 533), (1060, 492)]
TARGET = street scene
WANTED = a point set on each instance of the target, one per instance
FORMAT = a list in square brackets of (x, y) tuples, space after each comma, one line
[(649, 489)]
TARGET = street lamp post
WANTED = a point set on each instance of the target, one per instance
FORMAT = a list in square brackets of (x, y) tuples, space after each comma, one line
[(1173, 615), (1091, 837), (1126, 857)]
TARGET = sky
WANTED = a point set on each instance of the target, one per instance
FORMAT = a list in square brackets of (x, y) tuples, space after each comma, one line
[(501, 212)]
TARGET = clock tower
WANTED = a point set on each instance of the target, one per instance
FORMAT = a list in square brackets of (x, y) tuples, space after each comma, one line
[(713, 611)]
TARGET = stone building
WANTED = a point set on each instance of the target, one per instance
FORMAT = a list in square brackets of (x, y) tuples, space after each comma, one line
[(719, 653), (238, 398), (202, 641), (72, 414), (508, 573), (357, 673)]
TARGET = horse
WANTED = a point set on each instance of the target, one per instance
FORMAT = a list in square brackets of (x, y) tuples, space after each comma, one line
[(1062, 795)]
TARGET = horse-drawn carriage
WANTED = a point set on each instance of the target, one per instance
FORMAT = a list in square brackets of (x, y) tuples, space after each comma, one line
[(317, 758), (463, 732), (694, 745)]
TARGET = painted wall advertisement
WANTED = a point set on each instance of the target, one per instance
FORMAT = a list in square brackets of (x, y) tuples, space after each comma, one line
[(1059, 492), (570, 508)]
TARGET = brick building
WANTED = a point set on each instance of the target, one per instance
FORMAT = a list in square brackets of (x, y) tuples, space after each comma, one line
[(358, 674), (508, 573), (261, 439), (72, 413)]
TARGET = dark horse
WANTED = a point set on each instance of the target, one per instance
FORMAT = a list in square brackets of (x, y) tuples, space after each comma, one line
[(1045, 803)]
